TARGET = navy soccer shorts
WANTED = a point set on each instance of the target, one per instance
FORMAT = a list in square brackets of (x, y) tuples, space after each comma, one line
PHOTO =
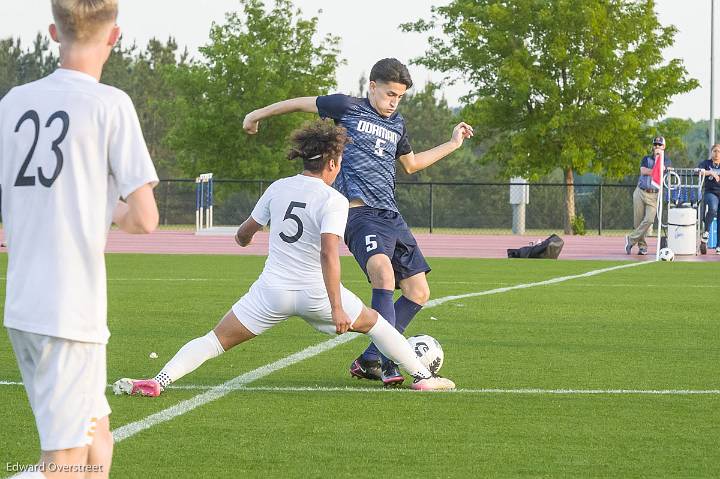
[(372, 231)]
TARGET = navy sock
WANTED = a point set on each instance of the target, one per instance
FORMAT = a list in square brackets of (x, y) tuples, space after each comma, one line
[(405, 311), (382, 302)]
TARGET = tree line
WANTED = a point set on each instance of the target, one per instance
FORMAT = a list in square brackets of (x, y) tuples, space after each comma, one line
[(558, 88)]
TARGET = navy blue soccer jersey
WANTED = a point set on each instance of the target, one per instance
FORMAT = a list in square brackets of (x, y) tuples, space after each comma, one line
[(710, 184), (368, 168)]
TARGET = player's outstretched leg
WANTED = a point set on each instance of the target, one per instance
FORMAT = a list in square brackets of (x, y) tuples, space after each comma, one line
[(190, 357), (394, 345), (227, 334)]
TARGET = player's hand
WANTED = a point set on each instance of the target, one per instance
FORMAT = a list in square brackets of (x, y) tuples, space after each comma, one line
[(715, 176), (461, 131), (250, 124), (341, 320), (240, 240)]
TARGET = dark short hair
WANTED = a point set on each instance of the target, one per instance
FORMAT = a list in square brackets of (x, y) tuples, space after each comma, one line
[(316, 143), (391, 70)]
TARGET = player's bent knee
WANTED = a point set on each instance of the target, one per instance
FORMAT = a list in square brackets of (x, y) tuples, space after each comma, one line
[(380, 272), (367, 319), (416, 289), (231, 332), (419, 295)]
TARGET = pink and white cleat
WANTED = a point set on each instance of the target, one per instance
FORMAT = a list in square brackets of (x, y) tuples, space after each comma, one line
[(143, 387), (434, 383)]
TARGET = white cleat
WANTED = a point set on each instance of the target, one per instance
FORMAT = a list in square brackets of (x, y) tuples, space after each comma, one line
[(435, 383)]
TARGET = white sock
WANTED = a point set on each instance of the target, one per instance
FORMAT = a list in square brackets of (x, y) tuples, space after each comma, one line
[(189, 358), (394, 345)]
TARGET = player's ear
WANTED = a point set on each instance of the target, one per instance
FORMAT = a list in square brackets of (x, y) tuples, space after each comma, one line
[(335, 163), (52, 29), (114, 36)]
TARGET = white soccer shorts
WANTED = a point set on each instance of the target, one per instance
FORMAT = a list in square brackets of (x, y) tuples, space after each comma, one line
[(261, 308), (65, 382)]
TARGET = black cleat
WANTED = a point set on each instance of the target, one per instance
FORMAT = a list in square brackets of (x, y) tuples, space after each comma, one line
[(366, 369), (391, 374)]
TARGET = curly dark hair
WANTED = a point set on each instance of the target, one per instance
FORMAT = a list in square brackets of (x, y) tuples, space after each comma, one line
[(317, 143)]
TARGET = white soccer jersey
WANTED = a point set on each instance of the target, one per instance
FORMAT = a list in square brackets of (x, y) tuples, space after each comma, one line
[(69, 148), (299, 208)]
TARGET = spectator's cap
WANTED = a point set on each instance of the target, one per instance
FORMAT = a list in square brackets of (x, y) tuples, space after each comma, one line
[(659, 140)]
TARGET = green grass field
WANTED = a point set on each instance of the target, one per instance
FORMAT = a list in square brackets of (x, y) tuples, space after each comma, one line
[(601, 332)]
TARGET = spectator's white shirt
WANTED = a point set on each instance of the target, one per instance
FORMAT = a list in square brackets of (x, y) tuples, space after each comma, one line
[(69, 147), (299, 209)]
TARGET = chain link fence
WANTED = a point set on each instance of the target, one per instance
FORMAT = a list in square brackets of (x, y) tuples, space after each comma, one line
[(473, 208)]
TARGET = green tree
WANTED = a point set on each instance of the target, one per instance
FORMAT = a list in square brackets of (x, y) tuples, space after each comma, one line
[(429, 122), (19, 66), (255, 58), (675, 130), (572, 84), (146, 75)]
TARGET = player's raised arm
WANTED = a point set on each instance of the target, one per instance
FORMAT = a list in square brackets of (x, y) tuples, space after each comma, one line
[(414, 162), (246, 231), (139, 214), (301, 104), (330, 263)]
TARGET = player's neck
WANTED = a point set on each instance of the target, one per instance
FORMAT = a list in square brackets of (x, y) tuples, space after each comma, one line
[(320, 176), (85, 59), (371, 100)]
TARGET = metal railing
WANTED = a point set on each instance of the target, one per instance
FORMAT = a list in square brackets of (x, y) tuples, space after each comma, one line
[(433, 206)]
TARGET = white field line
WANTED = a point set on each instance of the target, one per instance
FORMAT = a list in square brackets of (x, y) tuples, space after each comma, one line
[(669, 392), (486, 391), (437, 302), (221, 390)]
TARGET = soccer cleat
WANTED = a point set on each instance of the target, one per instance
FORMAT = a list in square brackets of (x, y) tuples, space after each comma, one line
[(642, 251), (434, 383), (142, 387), (717, 250), (366, 369), (628, 245), (391, 374)]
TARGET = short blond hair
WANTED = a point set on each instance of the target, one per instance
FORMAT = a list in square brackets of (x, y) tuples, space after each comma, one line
[(80, 20)]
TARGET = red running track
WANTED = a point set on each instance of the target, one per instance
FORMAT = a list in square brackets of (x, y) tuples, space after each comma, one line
[(432, 245)]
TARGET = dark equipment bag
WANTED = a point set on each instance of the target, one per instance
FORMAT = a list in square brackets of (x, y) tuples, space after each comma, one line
[(550, 248)]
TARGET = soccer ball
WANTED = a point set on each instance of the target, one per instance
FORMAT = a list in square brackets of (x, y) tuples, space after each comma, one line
[(428, 350), (666, 254)]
